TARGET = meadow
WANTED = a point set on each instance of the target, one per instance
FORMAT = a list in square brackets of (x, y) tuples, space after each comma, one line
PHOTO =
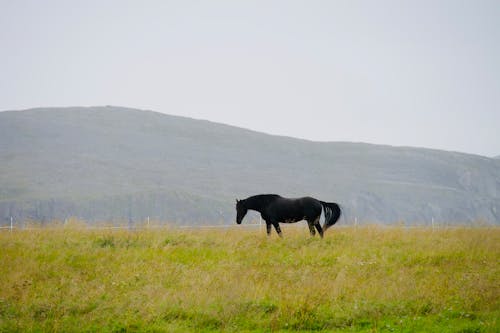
[(356, 279)]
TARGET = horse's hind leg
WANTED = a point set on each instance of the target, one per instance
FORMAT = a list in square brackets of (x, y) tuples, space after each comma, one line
[(318, 226), (320, 230), (311, 228)]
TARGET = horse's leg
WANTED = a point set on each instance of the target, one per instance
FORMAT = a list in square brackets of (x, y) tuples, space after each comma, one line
[(278, 229), (311, 228), (318, 226), (268, 228)]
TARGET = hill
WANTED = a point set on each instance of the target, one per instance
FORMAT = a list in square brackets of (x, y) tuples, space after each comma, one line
[(112, 163)]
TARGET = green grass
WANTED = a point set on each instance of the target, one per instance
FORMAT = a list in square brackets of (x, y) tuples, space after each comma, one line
[(366, 279)]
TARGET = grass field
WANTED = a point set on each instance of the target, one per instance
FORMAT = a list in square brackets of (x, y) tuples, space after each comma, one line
[(365, 279)]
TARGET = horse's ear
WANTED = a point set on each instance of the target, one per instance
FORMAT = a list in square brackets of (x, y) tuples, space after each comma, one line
[(237, 201)]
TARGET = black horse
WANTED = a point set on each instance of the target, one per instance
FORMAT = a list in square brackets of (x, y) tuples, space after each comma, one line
[(275, 209)]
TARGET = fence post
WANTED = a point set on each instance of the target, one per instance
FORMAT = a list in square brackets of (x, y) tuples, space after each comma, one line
[(11, 223)]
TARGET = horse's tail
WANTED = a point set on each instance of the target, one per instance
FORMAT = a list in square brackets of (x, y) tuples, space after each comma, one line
[(332, 213)]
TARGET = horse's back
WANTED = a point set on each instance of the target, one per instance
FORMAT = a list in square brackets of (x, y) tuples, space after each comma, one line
[(309, 201), (311, 205), (296, 208)]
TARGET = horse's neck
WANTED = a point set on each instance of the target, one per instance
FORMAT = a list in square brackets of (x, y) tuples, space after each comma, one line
[(259, 202)]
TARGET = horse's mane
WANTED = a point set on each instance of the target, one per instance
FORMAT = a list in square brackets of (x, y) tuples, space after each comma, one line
[(260, 199), (263, 196)]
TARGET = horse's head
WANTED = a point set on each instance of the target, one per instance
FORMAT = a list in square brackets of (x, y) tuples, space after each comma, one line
[(241, 210)]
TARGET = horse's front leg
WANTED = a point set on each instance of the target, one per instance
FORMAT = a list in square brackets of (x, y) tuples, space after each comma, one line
[(278, 229), (268, 228)]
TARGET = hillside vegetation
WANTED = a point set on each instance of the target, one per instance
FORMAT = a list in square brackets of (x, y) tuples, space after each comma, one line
[(366, 279), (112, 164)]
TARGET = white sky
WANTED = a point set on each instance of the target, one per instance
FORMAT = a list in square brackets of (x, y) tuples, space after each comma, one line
[(415, 73)]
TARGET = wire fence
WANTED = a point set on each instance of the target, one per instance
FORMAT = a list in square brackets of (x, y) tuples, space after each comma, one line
[(131, 227), (254, 223), (247, 226)]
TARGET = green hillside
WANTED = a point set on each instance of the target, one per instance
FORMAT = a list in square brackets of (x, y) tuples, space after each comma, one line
[(112, 163)]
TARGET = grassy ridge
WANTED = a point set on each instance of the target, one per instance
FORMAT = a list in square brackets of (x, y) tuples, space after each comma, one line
[(356, 279)]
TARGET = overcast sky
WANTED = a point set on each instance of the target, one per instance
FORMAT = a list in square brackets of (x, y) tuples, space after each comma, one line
[(413, 73)]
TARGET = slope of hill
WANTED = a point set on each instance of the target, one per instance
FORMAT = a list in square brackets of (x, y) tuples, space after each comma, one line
[(109, 163)]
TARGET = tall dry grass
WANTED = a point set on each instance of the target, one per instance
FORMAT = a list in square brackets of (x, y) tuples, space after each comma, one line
[(356, 279)]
